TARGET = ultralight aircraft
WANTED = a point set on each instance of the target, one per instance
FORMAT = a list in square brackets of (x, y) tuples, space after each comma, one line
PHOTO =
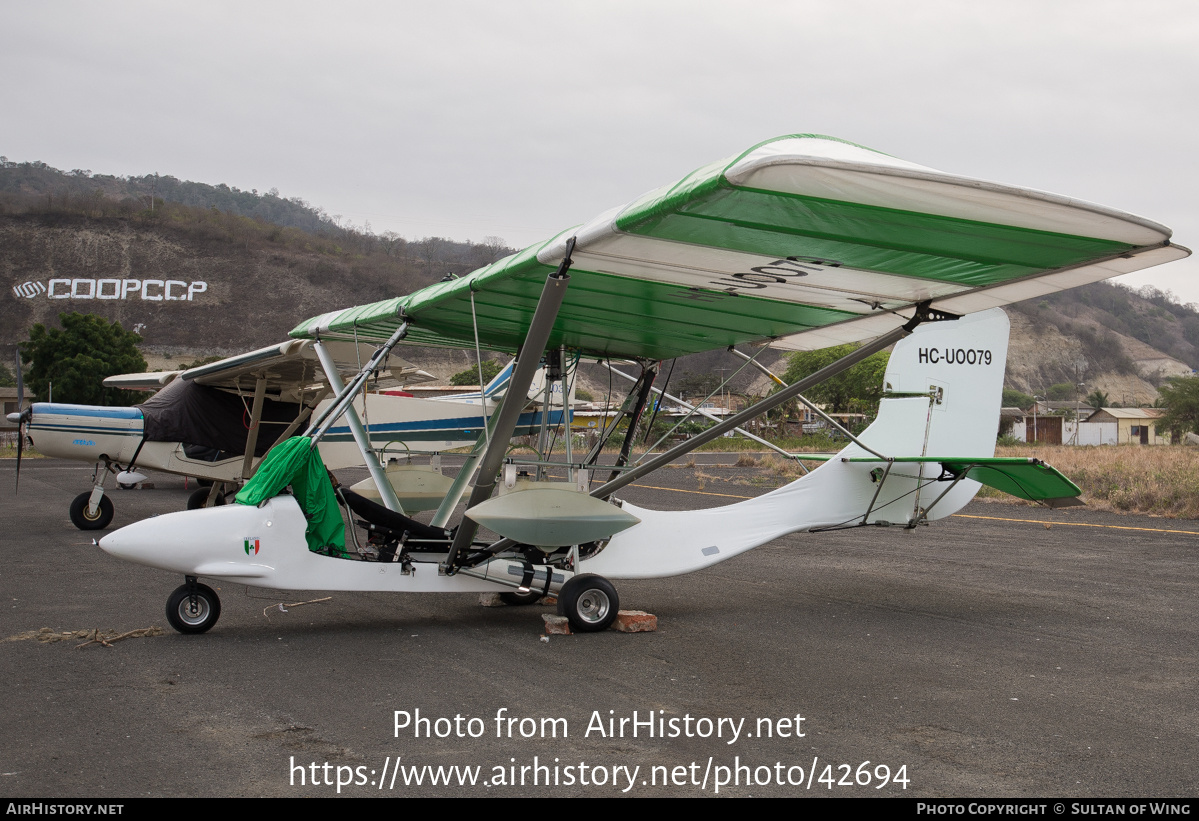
[(800, 242)]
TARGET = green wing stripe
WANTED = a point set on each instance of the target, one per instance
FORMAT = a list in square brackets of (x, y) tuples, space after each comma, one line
[(868, 237)]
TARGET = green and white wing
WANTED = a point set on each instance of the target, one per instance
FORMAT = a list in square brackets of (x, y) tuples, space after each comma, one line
[(803, 241)]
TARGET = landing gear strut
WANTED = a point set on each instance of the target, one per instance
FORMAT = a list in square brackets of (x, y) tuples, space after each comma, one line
[(85, 517), (193, 607)]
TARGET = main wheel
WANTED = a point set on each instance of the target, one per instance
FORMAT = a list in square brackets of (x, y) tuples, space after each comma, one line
[(589, 602), (514, 598), (193, 611), (95, 521), (199, 499)]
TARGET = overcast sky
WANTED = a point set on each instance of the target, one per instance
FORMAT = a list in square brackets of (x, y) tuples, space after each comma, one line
[(520, 118)]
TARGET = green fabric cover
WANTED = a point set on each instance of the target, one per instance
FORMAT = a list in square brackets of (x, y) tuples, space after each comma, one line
[(295, 462), (1020, 476)]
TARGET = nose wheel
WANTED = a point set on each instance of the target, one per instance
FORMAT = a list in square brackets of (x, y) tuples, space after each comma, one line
[(193, 608)]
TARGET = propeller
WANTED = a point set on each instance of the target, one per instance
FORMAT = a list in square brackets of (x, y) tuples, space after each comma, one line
[(21, 418)]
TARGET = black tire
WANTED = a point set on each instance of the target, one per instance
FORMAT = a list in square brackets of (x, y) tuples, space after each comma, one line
[(199, 498), (124, 486), (193, 615), (518, 599), (589, 602), (99, 521)]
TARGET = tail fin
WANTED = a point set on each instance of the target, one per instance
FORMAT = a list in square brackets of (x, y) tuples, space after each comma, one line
[(500, 381), (944, 384), (956, 368)]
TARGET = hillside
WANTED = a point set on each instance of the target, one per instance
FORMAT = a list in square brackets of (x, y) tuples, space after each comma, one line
[(206, 273), (203, 270), (1106, 337)]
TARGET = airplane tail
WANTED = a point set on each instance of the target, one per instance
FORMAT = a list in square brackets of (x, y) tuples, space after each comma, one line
[(954, 373), (943, 387), (500, 382)]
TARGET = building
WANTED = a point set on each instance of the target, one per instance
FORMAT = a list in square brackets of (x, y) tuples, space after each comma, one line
[(8, 396), (1132, 425)]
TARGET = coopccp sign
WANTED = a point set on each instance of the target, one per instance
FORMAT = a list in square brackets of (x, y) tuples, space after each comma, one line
[(151, 290)]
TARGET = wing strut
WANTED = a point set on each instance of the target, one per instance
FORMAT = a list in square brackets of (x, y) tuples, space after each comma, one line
[(701, 411), (508, 415), (800, 398), (255, 422), (344, 404), (923, 313), (645, 385)]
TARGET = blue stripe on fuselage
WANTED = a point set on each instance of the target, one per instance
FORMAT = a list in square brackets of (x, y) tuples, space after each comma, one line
[(459, 423), (59, 409)]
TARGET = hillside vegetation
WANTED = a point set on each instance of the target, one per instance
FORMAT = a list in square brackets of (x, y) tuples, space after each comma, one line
[(267, 262)]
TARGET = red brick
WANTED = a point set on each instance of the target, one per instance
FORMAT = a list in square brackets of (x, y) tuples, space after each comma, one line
[(556, 625), (635, 621)]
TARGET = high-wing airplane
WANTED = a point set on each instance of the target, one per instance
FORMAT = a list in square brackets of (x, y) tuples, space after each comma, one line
[(216, 422), (799, 242), (213, 422)]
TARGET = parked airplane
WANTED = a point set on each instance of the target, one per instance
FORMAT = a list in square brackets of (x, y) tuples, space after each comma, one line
[(215, 422), (800, 242)]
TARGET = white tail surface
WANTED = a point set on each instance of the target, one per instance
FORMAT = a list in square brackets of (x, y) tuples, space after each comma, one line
[(945, 383)]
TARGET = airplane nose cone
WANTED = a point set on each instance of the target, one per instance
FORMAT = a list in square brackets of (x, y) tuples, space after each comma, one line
[(122, 545), (15, 418)]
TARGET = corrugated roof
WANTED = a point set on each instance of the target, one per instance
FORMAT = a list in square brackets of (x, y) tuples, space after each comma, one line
[(1135, 413)]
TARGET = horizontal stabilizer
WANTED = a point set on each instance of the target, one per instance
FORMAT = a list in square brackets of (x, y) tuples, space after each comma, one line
[(1025, 478)]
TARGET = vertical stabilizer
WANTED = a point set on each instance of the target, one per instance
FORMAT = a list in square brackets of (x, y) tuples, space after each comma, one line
[(944, 384)]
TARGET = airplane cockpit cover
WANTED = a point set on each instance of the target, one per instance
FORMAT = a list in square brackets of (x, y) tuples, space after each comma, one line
[(185, 411)]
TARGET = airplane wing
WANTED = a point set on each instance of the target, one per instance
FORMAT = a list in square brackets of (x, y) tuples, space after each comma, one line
[(802, 241), (154, 381), (290, 368)]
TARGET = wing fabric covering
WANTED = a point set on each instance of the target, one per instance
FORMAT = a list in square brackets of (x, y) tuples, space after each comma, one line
[(804, 241), (195, 414), (295, 462)]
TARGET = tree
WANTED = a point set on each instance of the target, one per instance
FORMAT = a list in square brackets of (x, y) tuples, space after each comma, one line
[(1013, 398), (79, 357), (1062, 392), (470, 376), (1180, 397), (1098, 400), (694, 385), (856, 390)]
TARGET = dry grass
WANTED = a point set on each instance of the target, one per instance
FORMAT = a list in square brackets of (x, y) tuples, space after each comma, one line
[(1157, 480), (1154, 480), (786, 468)]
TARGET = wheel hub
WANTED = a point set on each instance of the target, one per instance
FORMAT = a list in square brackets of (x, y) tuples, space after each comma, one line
[(193, 610), (593, 606)]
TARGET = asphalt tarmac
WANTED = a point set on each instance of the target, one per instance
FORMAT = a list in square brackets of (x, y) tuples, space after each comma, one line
[(1008, 651)]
